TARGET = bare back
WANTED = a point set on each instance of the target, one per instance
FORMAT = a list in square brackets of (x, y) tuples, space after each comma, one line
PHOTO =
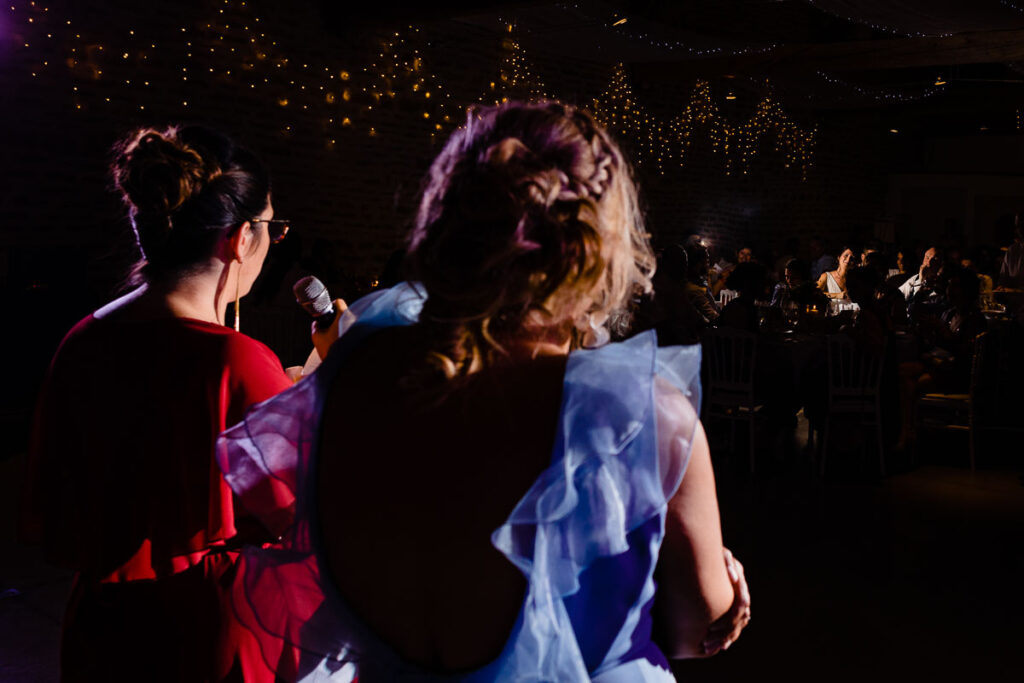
[(409, 496)]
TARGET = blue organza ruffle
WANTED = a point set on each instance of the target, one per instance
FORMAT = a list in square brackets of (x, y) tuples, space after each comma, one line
[(604, 481)]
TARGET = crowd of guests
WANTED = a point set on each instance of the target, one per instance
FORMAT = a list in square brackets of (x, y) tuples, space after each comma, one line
[(937, 298)]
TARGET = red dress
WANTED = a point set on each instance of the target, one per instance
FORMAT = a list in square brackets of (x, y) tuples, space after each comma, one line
[(125, 490)]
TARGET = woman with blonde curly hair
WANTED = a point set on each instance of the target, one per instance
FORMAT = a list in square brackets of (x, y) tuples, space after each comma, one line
[(476, 486)]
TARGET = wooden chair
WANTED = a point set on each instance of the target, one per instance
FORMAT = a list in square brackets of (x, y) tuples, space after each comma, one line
[(955, 412), (996, 395), (993, 402), (729, 357), (854, 382)]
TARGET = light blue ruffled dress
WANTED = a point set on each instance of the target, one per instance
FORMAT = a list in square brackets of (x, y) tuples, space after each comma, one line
[(586, 535)]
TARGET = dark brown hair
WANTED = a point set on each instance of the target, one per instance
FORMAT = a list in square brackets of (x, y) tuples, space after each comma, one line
[(186, 188)]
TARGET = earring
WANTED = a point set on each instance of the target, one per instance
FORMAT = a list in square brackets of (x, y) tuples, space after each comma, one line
[(238, 280)]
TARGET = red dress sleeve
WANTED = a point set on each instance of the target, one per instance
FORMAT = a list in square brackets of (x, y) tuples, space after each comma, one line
[(255, 374)]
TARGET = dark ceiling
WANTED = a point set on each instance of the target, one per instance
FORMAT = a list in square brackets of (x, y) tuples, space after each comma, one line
[(833, 53)]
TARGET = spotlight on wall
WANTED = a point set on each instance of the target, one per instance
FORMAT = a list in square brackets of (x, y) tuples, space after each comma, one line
[(894, 130)]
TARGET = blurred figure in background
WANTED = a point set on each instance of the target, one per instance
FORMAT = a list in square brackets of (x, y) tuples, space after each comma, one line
[(751, 282), (698, 264), (820, 261), (668, 310), (1011, 273)]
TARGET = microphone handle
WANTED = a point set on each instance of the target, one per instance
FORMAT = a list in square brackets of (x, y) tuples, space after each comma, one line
[(326, 320)]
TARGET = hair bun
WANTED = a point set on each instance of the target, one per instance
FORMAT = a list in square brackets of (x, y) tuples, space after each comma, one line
[(157, 172), (529, 177)]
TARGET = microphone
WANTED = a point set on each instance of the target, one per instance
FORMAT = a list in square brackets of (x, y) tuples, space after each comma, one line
[(312, 295)]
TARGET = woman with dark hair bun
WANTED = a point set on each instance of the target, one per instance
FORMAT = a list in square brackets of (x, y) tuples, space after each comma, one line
[(124, 488), (510, 482)]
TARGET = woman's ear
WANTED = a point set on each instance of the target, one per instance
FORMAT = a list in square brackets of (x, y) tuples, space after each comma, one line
[(240, 243)]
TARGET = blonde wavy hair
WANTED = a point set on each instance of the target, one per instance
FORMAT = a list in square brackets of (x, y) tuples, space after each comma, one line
[(529, 229)]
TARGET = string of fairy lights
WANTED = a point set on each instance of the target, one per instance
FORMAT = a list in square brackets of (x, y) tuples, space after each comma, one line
[(399, 69), (884, 94), (876, 25), (232, 50), (618, 111), (737, 142), (617, 24), (516, 79)]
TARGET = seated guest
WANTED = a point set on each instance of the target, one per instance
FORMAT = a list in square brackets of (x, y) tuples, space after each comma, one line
[(781, 290), (1011, 273), (833, 282), (668, 310), (889, 297), (962, 321), (743, 255), (927, 290), (871, 324), (789, 251), (795, 289), (978, 262), (741, 313), (872, 247), (899, 274), (926, 274), (698, 265), (820, 261), (947, 366)]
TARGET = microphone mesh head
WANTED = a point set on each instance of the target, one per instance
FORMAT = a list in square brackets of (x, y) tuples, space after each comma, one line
[(312, 295)]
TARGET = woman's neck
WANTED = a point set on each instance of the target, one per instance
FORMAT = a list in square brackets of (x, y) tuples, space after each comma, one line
[(202, 296)]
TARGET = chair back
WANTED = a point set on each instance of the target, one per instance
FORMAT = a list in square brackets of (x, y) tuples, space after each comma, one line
[(997, 376), (854, 377), (729, 356)]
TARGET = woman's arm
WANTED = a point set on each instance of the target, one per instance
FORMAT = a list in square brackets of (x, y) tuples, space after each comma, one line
[(823, 282), (694, 586), (721, 283)]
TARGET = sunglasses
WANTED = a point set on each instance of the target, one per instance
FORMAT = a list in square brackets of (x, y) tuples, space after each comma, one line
[(277, 228)]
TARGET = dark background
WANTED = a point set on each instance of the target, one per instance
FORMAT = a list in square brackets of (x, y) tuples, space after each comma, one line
[(334, 101), (347, 171)]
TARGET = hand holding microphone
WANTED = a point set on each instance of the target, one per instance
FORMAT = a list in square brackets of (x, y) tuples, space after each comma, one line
[(312, 295)]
